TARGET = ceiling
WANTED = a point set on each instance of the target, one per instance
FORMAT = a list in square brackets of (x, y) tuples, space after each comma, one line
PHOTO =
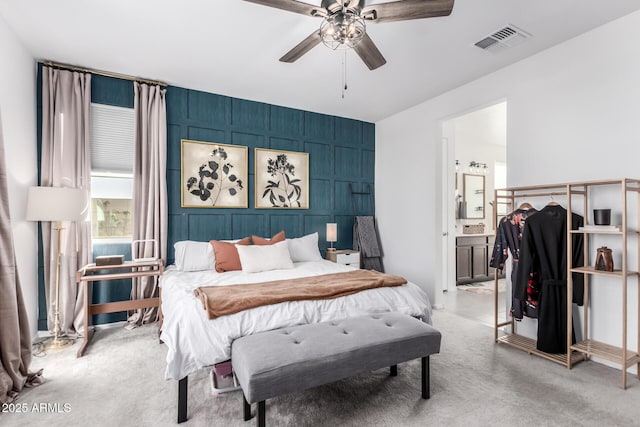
[(231, 47)]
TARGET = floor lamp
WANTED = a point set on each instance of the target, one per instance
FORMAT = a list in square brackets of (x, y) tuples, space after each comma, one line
[(57, 204)]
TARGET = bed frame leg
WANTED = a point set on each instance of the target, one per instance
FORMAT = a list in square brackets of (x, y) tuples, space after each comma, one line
[(260, 422), (246, 408), (426, 388), (394, 370), (182, 399)]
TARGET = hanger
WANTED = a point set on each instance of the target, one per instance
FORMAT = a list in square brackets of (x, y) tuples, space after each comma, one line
[(525, 206), (552, 202)]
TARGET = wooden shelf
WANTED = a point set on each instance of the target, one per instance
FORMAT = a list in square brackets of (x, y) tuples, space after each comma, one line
[(606, 351), (592, 270), (127, 265), (615, 233), (529, 345)]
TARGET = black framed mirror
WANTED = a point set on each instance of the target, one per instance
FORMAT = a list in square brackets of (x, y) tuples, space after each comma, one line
[(473, 190)]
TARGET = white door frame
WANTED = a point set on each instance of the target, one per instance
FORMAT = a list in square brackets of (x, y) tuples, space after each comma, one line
[(448, 229), (446, 239), (448, 200)]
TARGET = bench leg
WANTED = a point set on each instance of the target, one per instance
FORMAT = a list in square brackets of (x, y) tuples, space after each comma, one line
[(426, 389), (394, 370), (246, 408), (260, 422), (182, 399)]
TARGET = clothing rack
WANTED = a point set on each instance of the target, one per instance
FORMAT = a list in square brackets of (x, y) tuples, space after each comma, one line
[(587, 347), (513, 339)]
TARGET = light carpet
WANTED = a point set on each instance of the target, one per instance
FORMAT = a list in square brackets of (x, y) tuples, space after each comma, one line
[(474, 382)]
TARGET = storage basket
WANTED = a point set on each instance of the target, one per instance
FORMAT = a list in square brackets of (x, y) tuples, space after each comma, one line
[(473, 229)]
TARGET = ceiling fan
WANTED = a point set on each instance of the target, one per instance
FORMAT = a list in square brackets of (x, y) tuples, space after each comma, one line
[(343, 25)]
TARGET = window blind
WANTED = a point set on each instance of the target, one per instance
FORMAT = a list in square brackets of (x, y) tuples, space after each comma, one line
[(112, 139)]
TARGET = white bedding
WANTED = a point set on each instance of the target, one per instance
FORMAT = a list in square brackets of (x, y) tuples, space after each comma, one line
[(194, 341)]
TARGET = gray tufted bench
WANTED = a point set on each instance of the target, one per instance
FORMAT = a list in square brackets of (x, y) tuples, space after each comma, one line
[(281, 361)]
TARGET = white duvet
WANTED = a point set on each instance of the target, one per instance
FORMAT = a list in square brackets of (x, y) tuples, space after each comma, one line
[(195, 341)]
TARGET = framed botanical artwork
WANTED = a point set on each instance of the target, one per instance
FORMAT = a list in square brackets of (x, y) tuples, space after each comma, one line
[(213, 175), (281, 179)]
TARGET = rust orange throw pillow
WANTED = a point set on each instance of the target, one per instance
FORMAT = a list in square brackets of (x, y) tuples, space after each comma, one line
[(227, 258), (279, 237)]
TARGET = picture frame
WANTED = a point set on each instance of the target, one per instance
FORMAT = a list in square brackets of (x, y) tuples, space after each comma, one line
[(281, 179), (213, 175)]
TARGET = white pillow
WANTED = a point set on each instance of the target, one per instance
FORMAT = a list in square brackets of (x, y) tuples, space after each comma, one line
[(194, 256), (305, 248), (257, 258)]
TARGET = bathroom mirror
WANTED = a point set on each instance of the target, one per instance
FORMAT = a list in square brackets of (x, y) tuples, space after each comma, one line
[(473, 196)]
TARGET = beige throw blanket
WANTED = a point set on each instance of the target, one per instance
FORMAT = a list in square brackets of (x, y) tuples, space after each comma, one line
[(222, 300)]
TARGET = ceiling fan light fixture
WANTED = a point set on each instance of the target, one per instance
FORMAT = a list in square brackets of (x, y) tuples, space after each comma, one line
[(342, 30), (343, 23)]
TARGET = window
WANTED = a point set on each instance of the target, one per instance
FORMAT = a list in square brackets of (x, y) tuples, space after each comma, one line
[(112, 144)]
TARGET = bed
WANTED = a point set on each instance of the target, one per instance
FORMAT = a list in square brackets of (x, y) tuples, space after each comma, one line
[(194, 341)]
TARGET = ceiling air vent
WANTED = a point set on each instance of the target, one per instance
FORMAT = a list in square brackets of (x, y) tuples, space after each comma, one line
[(504, 38)]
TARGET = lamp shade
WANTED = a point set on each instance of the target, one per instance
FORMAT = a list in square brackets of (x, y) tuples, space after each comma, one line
[(57, 204), (332, 232)]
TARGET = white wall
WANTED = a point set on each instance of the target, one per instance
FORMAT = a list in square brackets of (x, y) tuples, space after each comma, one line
[(18, 111), (573, 114)]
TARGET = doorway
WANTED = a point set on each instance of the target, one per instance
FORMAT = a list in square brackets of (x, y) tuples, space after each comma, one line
[(474, 164)]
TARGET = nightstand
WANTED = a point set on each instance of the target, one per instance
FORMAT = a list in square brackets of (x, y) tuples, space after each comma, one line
[(344, 256)]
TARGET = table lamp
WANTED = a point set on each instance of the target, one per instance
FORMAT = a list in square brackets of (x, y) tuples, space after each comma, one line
[(332, 234), (57, 204)]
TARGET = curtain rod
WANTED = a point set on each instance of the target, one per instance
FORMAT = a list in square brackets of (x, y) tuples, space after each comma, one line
[(102, 73)]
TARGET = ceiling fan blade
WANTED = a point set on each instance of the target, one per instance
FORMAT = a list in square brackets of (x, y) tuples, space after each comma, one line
[(292, 6), (303, 47), (407, 9), (369, 53)]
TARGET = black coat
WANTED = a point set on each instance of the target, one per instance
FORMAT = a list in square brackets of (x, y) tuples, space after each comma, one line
[(508, 237), (544, 250)]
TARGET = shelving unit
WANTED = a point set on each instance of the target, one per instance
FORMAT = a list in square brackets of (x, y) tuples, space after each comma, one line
[(588, 347), (621, 355)]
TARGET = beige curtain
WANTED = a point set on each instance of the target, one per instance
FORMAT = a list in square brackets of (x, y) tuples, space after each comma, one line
[(149, 188), (15, 341), (66, 162)]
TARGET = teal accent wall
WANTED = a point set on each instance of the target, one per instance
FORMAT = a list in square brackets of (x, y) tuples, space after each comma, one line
[(341, 153)]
